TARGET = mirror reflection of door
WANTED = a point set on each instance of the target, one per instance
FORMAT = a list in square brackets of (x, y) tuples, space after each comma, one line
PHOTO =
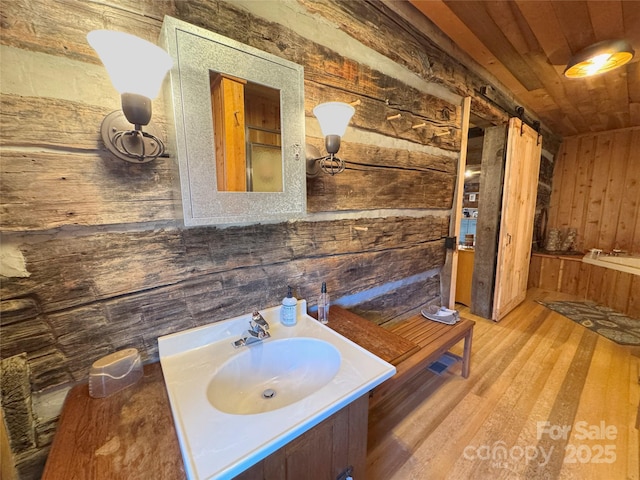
[(247, 132)]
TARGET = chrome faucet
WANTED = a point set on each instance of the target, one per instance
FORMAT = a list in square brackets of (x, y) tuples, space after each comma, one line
[(257, 332)]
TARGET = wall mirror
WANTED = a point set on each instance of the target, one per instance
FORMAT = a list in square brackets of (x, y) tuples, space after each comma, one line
[(238, 117)]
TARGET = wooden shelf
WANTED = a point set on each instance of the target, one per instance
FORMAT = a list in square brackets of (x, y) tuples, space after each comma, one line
[(385, 344)]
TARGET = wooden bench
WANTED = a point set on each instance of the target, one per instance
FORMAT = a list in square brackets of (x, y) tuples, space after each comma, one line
[(409, 345)]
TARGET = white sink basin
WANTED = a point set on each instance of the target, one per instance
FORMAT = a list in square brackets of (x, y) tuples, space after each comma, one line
[(227, 418), (272, 375)]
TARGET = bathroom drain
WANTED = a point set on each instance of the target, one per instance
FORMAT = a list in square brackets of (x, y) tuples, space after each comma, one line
[(269, 393)]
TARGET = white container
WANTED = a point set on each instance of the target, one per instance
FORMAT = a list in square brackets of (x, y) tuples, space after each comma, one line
[(288, 313), (114, 372)]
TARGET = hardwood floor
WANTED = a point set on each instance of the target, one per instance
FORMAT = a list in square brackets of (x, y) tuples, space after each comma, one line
[(546, 399)]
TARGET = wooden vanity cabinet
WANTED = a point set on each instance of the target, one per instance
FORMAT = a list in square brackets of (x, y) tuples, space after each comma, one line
[(324, 452)]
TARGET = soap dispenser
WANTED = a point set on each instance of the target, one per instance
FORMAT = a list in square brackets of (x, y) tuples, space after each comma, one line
[(288, 315)]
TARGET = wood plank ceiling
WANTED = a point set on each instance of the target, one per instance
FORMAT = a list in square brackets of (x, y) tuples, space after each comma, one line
[(525, 44)]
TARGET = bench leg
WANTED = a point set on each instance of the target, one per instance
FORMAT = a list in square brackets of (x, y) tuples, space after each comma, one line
[(466, 355)]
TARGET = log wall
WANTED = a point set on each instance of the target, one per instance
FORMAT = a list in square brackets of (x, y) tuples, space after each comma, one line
[(94, 256)]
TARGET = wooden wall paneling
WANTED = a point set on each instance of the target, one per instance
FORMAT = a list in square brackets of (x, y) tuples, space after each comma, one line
[(549, 274), (606, 284), (369, 83), (606, 190), (440, 130), (582, 176), (556, 188), (602, 159), (619, 292), (559, 274), (611, 230), (570, 277), (630, 207), (634, 297), (535, 271), (360, 156), (90, 200), (596, 283), (566, 186), (584, 280)]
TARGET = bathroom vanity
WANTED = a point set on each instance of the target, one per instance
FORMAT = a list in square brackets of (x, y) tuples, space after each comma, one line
[(202, 412), (131, 435), (235, 405)]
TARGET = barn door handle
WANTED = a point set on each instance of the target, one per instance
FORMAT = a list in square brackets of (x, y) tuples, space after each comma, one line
[(508, 239)]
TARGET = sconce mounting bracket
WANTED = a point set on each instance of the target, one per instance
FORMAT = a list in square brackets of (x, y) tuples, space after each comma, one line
[(119, 137), (329, 164), (312, 154)]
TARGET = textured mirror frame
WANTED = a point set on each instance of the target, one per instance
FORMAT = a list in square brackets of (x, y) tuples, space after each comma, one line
[(196, 52)]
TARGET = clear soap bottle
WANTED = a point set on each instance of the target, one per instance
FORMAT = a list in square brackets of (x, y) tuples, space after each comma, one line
[(323, 305)]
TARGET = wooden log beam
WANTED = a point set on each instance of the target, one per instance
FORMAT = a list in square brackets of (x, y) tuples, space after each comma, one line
[(86, 332), (369, 188), (71, 272), (441, 128), (61, 28), (67, 125), (48, 190)]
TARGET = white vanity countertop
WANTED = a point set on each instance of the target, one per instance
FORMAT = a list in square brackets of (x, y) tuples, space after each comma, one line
[(219, 445)]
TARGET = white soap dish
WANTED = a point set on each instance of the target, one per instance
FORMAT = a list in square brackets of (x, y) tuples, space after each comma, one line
[(441, 314)]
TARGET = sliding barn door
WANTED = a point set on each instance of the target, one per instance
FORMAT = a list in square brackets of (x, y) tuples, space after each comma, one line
[(522, 166)]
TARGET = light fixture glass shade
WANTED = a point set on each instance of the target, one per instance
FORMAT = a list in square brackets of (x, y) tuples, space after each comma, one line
[(599, 58), (134, 65), (333, 117)]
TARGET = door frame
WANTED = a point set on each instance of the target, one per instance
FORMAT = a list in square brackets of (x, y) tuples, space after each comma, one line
[(450, 268)]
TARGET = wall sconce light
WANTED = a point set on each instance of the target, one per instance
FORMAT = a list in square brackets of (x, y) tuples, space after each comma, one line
[(333, 118), (137, 69), (599, 58)]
